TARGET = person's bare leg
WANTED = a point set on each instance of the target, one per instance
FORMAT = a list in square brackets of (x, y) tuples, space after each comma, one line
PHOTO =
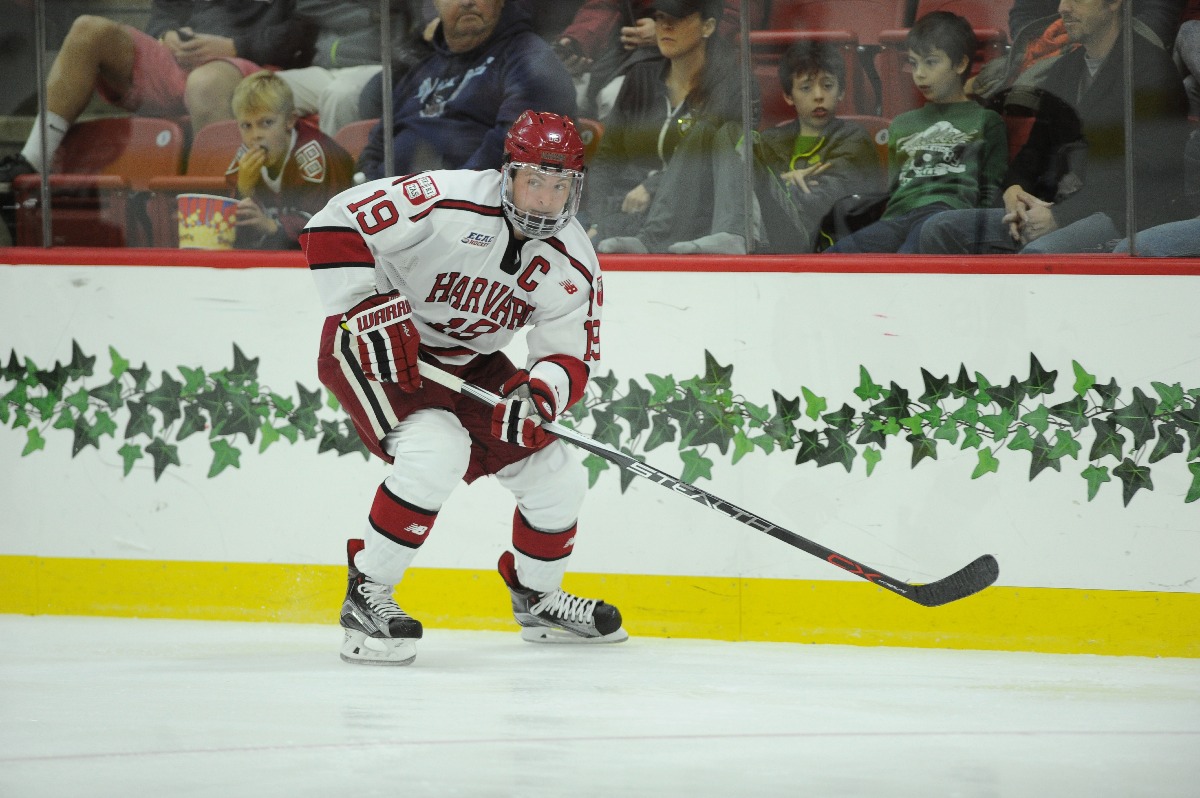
[(95, 48), (209, 91)]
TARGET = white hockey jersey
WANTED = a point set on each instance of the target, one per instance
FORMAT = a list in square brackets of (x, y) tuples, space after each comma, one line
[(441, 239)]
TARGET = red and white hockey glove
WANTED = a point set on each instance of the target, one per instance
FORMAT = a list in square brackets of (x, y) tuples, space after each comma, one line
[(388, 343), (527, 402)]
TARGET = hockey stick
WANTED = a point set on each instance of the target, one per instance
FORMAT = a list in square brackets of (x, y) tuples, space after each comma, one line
[(967, 581)]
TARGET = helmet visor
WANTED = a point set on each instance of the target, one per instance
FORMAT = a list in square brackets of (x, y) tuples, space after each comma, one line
[(540, 200)]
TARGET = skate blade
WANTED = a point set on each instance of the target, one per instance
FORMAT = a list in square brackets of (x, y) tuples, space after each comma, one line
[(358, 649), (547, 634)]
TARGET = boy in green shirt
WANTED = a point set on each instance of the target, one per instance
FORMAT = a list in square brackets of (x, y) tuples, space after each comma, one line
[(951, 153)]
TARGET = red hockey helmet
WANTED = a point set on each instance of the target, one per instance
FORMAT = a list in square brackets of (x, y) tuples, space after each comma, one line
[(544, 139), (548, 151)]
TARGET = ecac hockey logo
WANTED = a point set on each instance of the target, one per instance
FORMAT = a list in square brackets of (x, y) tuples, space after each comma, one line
[(478, 239), (420, 189)]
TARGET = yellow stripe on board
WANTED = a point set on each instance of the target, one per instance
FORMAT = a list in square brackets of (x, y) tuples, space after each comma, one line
[(1049, 620)]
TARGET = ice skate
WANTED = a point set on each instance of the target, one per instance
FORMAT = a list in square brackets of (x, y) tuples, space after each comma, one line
[(558, 616), (377, 631)]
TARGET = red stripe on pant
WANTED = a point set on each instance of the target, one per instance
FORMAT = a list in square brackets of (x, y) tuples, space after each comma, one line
[(399, 521), (547, 546)]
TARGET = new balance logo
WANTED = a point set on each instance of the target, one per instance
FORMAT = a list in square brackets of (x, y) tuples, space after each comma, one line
[(569, 543), (568, 286), (416, 529)]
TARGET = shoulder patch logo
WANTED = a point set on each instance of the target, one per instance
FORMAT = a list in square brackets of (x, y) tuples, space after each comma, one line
[(478, 239), (568, 286), (420, 189), (310, 160)]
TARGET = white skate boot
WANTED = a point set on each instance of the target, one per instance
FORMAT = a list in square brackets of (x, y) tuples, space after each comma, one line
[(377, 631), (558, 616)]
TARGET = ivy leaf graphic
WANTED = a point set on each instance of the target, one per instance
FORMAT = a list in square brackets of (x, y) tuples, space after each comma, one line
[(842, 419), (1133, 478), (1108, 393), (245, 370), (1042, 458), (1170, 442), (894, 405), (1194, 491), (759, 415), (193, 421), (986, 464), (140, 421), (595, 466), (742, 446), (607, 385), (625, 474), (109, 393), (808, 445), (871, 456), (140, 375), (85, 435), (971, 438), (1074, 412), (1095, 476), (607, 429), (1009, 399), (873, 430), (634, 408), (1170, 396), (1022, 440), (948, 433), (936, 388), (1109, 442), (837, 450), (1083, 380), (1039, 381), (14, 369), (695, 466), (54, 379), (1137, 417), (663, 387), (716, 377), (867, 389), (119, 364), (782, 426), (1039, 419), (1189, 422), (1065, 445), (163, 454), (165, 399), (193, 380), (816, 405), (33, 442), (718, 427), (269, 435), (963, 387), (81, 365), (130, 454), (224, 456), (661, 431), (923, 447)]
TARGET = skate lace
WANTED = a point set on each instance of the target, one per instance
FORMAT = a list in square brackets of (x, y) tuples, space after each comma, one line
[(379, 599), (563, 605)]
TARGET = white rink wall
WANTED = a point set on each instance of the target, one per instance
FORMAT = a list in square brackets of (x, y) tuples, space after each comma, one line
[(785, 332)]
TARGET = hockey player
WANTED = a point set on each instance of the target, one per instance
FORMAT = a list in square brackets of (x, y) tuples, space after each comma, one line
[(447, 266)]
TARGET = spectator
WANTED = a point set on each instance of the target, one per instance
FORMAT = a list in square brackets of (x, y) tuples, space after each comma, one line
[(804, 166), (607, 37), (657, 171), (188, 61), (285, 170), (950, 153), (347, 56), (1065, 187), (1187, 54), (453, 110)]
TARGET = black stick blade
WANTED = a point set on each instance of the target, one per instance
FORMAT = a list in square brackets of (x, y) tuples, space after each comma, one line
[(967, 581)]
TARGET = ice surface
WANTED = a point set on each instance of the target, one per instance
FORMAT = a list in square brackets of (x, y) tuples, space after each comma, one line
[(119, 707)]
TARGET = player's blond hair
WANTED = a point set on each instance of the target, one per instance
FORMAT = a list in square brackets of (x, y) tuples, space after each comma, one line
[(263, 93)]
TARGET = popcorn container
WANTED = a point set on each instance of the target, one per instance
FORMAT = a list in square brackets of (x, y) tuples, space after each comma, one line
[(206, 221)]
